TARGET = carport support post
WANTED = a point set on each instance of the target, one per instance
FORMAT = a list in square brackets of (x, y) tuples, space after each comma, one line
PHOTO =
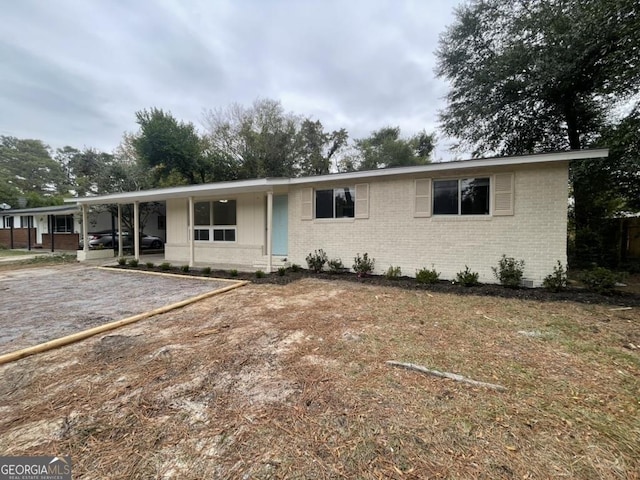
[(190, 233), (136, 230), (119, 230), (85, 223), (51, 220), (269, 231), (29, 223)]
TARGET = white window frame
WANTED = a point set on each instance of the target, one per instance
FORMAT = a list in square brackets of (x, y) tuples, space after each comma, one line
[(212, 229), (352, 188), (459, 180)]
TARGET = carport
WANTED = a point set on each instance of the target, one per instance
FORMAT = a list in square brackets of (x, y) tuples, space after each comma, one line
[(244, 241)]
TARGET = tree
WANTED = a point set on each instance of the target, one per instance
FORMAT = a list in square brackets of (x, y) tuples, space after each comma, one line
[(537, 75), (385, 148), (124, 172), (83, 168), (26, 167), (170, 147), (258, 141), (541, 75), (608, 189), (318, 148)]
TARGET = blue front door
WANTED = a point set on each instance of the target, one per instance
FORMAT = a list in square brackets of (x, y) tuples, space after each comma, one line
[(280, 225)]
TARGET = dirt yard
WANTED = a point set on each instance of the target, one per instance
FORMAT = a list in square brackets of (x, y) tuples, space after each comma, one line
[(290, 381), (41, 304)]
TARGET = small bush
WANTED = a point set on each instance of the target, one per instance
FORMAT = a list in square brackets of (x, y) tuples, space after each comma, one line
[(601, 280), (122, 261), (557, 280), (509, 272), (364, 265), (184, 268), (393, 273), (165, 266), (150, 264), (206, 271), (316, 260), (335, 265), (295, 267), (259, 274), (424, 275), (467, 278), (282, 271), (233, 272), (133, 262)]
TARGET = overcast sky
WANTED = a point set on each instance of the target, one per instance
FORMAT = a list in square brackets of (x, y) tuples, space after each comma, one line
[(74, 72)]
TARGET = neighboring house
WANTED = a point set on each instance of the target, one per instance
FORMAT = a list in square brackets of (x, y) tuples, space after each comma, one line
[(441, 215), (32, 226)]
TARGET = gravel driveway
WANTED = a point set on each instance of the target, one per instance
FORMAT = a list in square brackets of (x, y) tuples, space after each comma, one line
[(41, 304)]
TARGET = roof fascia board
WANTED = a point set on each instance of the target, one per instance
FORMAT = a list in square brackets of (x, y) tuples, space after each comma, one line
[(460, 165), (267, 184), (207, 189)]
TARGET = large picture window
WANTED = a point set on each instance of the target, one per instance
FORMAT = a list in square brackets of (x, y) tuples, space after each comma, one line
[(215, 221), (335, 203), (467, 196), (63, 223)]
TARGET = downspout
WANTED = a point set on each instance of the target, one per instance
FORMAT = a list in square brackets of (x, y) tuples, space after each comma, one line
[(136, 230), (269, 231), (190, 233)]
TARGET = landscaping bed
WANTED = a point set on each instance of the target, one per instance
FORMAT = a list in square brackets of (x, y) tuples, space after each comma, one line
[(574, 292)]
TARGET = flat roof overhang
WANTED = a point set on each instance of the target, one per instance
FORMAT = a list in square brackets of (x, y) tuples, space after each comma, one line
[(268, 184), (53, 210)]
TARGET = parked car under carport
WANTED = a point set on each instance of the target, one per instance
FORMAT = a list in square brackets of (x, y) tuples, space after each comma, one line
[(105, 239)]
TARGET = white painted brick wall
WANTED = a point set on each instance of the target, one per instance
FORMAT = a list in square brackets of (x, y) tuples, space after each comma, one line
[(537, 232)]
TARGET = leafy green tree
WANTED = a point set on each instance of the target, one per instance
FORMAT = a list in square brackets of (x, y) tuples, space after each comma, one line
[(83, 168), (28, 171), (318, 148), (623, 165), (257, 141), (9, 194), (124, 172), (542, 75), (607, 189), (537, 75), (385, 148), (170, 147)]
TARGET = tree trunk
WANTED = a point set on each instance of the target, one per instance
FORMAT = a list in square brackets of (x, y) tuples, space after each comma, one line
[(580, 210), (571, 118)]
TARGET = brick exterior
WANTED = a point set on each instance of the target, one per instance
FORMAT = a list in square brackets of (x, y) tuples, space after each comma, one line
[(62, 241), (20, 238), (536, 233)]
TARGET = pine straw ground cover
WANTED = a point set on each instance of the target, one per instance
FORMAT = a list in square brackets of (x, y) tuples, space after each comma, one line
[(289, 381)]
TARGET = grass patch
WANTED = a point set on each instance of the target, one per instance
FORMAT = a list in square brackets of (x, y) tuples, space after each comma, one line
[(54, 259), (300, 382), (18, 253)]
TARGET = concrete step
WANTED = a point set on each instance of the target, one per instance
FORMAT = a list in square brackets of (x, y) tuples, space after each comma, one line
[(276, 262)]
